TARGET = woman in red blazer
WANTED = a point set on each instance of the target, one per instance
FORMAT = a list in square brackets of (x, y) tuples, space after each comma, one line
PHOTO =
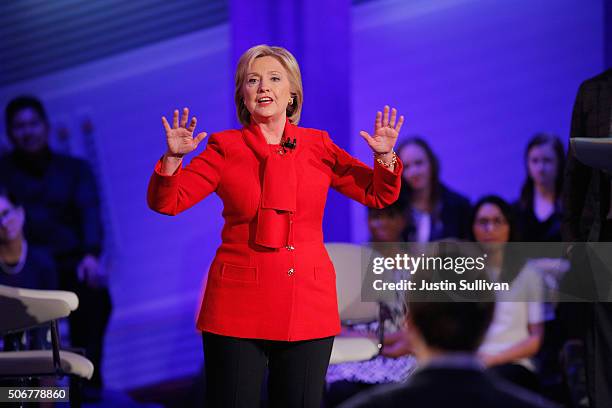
[(271, 292)]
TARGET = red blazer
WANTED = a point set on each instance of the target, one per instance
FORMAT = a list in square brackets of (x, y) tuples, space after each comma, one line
[(257, 292)]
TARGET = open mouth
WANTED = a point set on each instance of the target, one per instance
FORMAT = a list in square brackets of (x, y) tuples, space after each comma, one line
[(265, 100)]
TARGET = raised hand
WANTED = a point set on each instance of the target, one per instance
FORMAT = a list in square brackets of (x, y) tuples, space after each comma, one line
[(180, 138), (386, 131)]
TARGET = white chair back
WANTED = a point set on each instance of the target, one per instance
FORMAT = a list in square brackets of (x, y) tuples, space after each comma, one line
[(24, 308), (347, 260)]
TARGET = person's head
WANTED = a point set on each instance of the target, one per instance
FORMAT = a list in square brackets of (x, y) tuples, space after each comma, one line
[(448, 327), (544, 162), (11, 217), (492, 221), (387, 224), (421, 167), (27, 125), (268, 84)]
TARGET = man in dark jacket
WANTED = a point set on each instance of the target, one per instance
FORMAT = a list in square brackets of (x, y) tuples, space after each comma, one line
[(61, 200), (445, 336), (588, 218)]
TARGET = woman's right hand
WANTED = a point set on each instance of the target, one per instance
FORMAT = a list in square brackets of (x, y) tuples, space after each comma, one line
[(179, 138), (397, 344)]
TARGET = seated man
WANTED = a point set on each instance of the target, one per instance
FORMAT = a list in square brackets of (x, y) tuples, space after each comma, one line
[(60, 196), (445, 337), (23, 266)]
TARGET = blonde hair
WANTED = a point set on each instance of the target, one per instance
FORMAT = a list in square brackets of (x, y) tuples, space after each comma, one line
[(288, 62)]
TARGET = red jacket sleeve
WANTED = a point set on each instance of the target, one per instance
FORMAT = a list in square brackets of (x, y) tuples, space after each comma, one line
[(172, 194), (378, 187)]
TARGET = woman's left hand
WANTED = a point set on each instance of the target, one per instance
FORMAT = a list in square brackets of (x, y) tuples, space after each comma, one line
[(386, 131)]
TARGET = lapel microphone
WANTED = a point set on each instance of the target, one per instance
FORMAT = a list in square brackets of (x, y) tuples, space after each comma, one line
[(288, 144)]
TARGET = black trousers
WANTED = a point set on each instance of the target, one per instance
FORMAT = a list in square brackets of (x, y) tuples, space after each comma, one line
[(88, 326), (517, 374), (235, 370), (89, 321)]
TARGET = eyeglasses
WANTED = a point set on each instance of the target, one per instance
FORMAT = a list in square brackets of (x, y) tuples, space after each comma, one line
[(494, 222)]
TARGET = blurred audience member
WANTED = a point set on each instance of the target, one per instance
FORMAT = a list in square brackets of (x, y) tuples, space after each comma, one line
[(445, 337), (538, 211), (61, 201), (538, 215), (587, 204), (517, 329), (433, 211), (393, 365), (22, 266)]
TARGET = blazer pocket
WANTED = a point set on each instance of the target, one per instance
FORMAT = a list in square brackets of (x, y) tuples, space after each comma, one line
[(324, 273), (237, 273)]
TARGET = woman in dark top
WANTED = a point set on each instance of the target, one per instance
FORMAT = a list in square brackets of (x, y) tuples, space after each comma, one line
[(538, 217), (538, 211), (433, 210)]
